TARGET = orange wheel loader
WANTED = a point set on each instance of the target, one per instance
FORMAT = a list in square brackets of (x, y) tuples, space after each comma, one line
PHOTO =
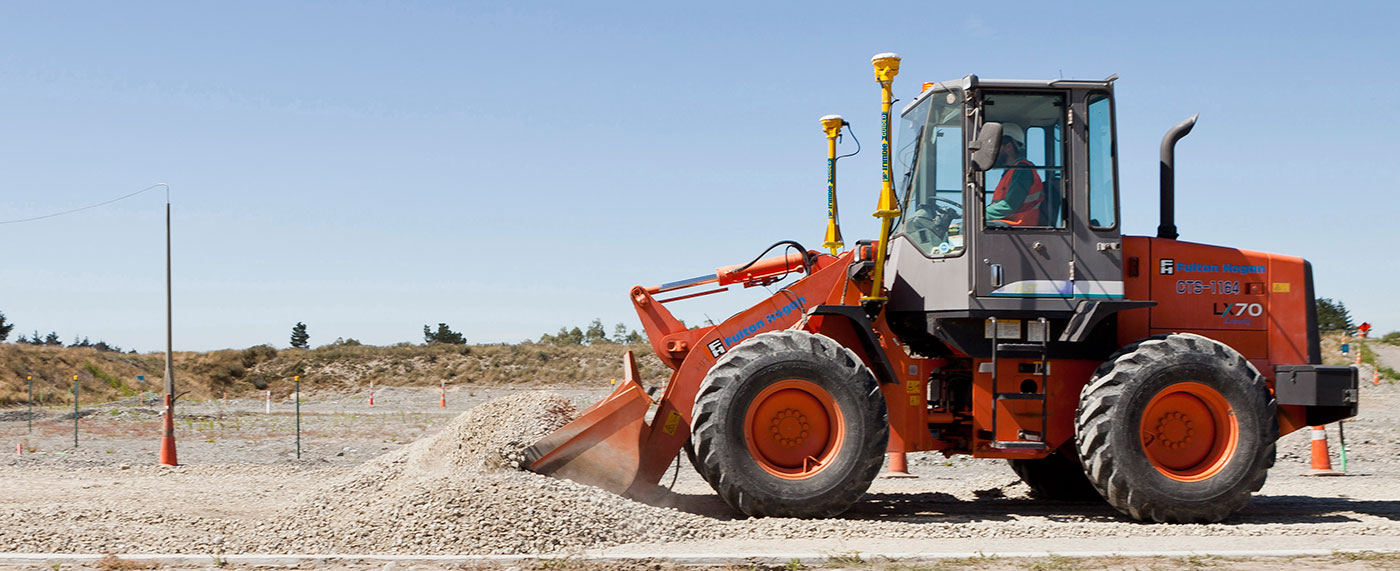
[(1000, 314)]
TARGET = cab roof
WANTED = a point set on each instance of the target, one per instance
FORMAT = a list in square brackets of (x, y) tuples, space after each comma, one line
[(974, 82)]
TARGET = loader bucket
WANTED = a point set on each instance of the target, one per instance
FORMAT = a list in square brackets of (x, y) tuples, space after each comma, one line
[(602, 447)]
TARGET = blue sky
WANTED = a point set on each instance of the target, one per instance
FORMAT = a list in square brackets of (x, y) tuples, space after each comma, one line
[(371, 167)]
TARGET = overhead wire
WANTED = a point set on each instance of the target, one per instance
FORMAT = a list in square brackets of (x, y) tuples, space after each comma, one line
[(89, 207)]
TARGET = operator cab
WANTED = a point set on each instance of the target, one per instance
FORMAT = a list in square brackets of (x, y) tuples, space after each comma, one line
[(1009, 202)]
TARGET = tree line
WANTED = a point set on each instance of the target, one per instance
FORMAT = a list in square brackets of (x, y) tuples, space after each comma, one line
[(595, 334), (301, 338), (52, 339)]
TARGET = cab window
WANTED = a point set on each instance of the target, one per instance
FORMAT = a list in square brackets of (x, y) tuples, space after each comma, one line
[(1103, 195), (1024, 189), (930, 153)]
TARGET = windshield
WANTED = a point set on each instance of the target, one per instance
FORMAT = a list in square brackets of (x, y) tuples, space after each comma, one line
[(930, 156)]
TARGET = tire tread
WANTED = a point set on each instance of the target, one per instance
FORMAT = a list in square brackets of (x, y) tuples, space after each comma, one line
[(713, 400), (1094, 428)]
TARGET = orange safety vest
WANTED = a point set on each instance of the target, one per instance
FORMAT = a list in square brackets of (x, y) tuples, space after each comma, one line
[(1029, 212)]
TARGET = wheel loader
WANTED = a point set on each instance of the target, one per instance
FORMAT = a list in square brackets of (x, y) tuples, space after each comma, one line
[(1000, 313)]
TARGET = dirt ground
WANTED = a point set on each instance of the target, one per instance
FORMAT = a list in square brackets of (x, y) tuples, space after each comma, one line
[(240, 467)]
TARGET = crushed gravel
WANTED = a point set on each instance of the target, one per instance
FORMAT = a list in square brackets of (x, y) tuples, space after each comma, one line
[(460, 491)]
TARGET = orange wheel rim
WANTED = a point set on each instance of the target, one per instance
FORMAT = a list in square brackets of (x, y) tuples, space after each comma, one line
[(793, 429), (1189, 432)]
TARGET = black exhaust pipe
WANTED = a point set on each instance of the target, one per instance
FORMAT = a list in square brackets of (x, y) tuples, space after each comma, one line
[(1167, 229)]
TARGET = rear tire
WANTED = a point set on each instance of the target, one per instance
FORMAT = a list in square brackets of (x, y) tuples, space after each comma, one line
[(789, 424), (1177, 429), (1057, 477)]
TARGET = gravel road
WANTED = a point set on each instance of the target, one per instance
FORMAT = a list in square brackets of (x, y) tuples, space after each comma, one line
[(395, 479)]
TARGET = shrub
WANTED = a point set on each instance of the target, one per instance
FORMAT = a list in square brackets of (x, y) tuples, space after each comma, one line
[(251, 356), (225, 374), (104, 347), (109, 379)]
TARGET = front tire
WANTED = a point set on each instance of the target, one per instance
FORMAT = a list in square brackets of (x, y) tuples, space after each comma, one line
[(1177, 429), (790, 424)]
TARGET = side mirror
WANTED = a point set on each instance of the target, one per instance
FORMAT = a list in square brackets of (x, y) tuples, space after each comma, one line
[(986, 147)]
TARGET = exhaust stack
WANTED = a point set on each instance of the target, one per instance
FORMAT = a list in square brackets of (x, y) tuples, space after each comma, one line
[(1167, 229)]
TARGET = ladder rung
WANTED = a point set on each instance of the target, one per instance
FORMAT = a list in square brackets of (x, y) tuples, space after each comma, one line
[(1021, 396), (1018, 445), (1028, 349)]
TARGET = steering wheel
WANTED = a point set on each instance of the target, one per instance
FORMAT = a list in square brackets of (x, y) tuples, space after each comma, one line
[(956, 207), (929, 223)]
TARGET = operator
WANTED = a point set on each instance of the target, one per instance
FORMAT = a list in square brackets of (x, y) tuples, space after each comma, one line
[(1016, 201)]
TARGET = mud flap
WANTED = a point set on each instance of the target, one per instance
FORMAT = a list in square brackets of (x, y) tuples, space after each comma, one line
[(602, 447)]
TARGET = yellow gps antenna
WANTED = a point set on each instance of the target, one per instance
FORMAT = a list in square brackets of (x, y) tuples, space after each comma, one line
[(886, 67), (832, 125)]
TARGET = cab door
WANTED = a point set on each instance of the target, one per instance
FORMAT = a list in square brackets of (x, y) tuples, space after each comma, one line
[(1098, 259), (1025, 245)]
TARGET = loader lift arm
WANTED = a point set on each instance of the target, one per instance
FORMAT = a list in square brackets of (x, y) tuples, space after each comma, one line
[(611, 445), (670, 338)]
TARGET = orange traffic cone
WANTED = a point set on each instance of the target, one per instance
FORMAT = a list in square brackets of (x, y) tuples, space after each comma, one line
[(899, 467), (1321, 460), (1376, 377), (167, 439)]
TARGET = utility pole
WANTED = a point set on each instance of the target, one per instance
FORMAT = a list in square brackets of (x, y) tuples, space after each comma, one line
[(167, 439)]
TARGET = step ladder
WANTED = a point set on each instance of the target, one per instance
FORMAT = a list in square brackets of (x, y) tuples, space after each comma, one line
[(1025, 440)]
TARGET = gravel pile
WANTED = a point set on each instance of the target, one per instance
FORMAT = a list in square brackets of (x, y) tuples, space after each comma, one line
[(460, 491)]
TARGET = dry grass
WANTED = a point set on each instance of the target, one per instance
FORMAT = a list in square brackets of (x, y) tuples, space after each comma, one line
[(108, 376), (111, 562), (101, 375)]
